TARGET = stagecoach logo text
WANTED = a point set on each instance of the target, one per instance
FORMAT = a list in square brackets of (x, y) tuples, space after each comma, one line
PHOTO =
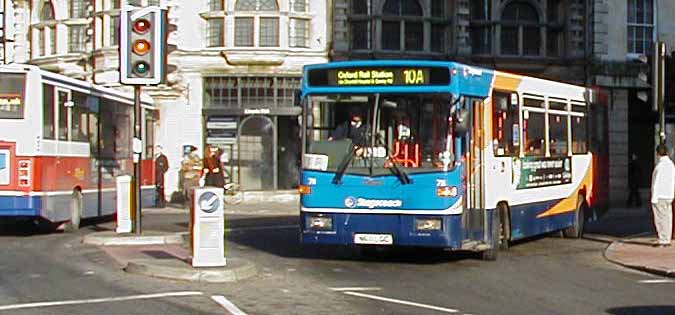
[(353, 202)]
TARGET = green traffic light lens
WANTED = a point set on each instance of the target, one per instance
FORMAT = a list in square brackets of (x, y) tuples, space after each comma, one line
[(141, 68)]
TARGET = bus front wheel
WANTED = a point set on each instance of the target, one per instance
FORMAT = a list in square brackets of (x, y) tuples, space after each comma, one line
[(577, 228), (490, 254), (504, 226), (75, 212)]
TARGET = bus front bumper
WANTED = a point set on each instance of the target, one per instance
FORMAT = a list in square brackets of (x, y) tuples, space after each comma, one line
[(381, 229)]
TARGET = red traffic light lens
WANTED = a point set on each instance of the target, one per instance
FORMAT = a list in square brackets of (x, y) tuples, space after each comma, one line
[(141, 26), (141, 47), (141, 68)]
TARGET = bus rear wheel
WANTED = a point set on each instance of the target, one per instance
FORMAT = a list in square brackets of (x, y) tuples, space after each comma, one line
[(75, 212), (577, 228)]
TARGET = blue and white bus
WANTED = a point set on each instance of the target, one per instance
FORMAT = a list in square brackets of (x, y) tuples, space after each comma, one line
[(455, 156)]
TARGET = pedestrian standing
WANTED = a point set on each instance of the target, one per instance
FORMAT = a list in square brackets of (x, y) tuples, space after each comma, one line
[(191, 168), (161, 166), (663, 190), (634, 175), (213, 168)]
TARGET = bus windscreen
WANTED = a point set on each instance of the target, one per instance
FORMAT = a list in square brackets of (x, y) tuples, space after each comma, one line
[(12, 95), (379, 76)]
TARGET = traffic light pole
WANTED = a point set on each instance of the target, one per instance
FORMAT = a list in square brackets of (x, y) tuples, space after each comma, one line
[(137, 158), (659, 87)]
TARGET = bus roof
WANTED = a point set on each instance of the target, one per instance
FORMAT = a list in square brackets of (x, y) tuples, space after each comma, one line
[(90, 88), (471, 80)]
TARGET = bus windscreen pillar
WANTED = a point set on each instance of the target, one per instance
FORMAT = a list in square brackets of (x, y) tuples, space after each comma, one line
[(124, 206), (208, 228)]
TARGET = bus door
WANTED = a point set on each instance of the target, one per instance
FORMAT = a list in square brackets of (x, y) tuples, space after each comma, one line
[(475, 173)]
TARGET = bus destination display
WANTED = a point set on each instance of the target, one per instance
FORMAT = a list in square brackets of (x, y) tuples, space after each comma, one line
[(389, 76)]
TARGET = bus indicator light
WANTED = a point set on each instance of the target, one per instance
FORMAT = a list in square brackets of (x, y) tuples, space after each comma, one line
[(304, 189), (446, 191)]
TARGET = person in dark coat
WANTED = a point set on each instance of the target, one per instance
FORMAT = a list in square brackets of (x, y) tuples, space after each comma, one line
[(634, 174), (161, 166), (213, 168), (355, 129)]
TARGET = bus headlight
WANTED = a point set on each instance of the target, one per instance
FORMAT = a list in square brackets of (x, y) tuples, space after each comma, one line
[(428, 224), (320, 223)]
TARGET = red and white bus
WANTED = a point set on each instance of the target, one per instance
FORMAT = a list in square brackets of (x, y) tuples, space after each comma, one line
[(62, 144)]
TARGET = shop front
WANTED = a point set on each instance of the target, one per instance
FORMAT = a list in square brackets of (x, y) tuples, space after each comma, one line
[(254, 121)]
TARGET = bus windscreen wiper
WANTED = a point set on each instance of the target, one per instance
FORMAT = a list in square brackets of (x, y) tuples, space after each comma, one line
[(342, 168), (395, 168)]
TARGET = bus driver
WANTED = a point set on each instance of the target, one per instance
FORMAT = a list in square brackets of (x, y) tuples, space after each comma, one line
[(354, 129)]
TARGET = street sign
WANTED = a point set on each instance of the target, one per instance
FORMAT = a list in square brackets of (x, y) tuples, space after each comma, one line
[(208, 228)]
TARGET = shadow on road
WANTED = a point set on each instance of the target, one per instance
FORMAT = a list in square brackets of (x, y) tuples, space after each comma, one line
[(280, 236), (643, 310), (31, 227)]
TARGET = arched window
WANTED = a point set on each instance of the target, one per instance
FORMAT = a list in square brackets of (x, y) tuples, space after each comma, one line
[(402, 26), (44, 32), (520, 30), (263, 14)]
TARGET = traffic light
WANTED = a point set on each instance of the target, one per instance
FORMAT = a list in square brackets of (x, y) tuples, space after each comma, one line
[(142, 45), (645, 77)]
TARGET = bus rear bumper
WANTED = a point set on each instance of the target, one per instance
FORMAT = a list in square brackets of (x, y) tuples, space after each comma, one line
[(401, 227), (20, 206)]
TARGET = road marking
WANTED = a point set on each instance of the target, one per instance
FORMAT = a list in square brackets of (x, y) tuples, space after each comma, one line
[(225, 303), (657, 281), (262, 228), (101, 300), (402, 302), (356, 289)]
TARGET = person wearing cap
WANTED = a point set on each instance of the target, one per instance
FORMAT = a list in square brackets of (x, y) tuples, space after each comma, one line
[(354, 129), (663, 190)]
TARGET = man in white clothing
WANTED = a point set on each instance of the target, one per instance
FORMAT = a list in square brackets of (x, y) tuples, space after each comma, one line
[(663, 191)]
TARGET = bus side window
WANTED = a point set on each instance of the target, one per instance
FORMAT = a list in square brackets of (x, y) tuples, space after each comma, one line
[(48, 123), (579, 129), (557, 128), (534, 127), (505, 128)]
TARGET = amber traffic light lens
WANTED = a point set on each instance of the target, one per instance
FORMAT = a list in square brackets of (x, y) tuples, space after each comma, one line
[(141, 47), (141, 26)]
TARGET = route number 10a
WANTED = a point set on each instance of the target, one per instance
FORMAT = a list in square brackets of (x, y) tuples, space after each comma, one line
[(413, 76)]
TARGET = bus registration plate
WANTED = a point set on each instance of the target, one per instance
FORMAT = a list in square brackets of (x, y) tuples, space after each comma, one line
[(373, 239)]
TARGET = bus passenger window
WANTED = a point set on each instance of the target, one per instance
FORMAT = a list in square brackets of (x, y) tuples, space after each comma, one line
[(557, 129), (534, 133), (505, 128), (579, 131), (48, 112)]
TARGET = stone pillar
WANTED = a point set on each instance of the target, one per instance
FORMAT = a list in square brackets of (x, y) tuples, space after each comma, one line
[(21, 25), (618, 147)]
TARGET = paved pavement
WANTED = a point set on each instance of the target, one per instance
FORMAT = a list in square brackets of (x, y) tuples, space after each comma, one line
[(631, 234), (163, 249)]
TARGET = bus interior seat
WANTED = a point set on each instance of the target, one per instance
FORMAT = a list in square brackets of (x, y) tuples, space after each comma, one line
[(334, 149)]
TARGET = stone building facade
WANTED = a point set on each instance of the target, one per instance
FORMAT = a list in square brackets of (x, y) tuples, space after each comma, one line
[(586, 42)]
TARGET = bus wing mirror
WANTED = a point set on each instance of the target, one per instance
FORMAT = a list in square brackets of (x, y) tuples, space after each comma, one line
[(461, 122), (297, 98)]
